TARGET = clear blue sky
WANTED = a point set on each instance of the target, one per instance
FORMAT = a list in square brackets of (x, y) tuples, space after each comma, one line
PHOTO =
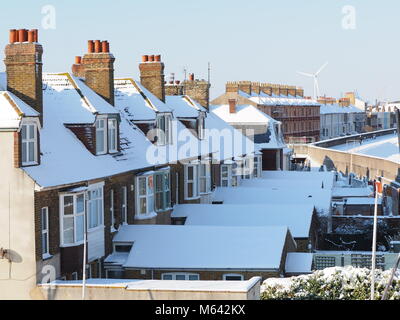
[(259, 40)]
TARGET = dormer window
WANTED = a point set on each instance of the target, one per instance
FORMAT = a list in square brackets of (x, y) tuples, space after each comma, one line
[(201, 124), (164, 129), (106, 135), (29, 144)]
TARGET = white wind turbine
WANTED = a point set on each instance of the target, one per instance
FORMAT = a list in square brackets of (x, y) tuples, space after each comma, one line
[(315, 76)]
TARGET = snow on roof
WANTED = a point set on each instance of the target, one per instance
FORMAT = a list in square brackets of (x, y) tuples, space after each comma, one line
[(12, 109), (246, 114), (336, 108), (64, 158), (299, 262), (296, 216), (184, 107), (295, 179), (264, 99), (155, 285), (385, 146), (203, 247), (352, 192), (362, 201)]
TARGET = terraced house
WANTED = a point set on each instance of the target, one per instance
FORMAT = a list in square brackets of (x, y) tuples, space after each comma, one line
[(83, 154)]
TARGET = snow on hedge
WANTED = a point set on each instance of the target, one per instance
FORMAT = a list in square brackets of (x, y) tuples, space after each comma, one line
[(336, 283)]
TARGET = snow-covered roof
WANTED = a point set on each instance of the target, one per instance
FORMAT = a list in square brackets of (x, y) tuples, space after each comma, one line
[(336, 108), (203, 247), (289, 188), (184, 107), (12, 110), (64, 159), (250, 115), (273, 100), (352, 192), (362, 201), (297, 217), (299, 262), (159, 285)]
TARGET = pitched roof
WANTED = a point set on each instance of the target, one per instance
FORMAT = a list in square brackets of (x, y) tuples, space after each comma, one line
[(203, 247)]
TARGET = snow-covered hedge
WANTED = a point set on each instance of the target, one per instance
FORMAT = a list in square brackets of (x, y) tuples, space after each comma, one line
[(347, 283)]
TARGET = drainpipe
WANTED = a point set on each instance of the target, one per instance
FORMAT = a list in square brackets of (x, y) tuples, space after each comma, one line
[(398, 125)]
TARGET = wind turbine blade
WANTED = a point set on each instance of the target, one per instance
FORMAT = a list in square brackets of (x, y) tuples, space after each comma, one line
[(305, 74), (322, 68)]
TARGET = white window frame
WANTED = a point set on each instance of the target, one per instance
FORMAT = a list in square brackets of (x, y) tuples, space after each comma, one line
[(148, 196), (194, 181), (206, 177), (228, 178), (27, 141), (257, 166), (164, 129), (105, 134), (75, 215), (44, 215), (174, 275), (98, 202), (233, 275), (165, 189), (112, 210), (201, 122), (112, 128), (124, 205)]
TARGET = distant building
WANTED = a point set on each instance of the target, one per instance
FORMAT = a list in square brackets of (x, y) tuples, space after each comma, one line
[(382, 116), (300, 117)]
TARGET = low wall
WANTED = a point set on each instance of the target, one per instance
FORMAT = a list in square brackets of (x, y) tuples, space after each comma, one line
[(152, 290)]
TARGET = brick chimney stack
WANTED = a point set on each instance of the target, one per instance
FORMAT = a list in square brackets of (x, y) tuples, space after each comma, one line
[(198, 90), (152, 75), (98, 69), (23, 60), (232, 105), (78, 69)]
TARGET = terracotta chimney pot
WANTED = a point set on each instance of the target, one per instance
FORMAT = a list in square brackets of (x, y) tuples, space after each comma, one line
[(78, 60), (157, 58), (104, 46), (31, 36), (145, 58), (90, 46), (97, 46), (151, 58), (13, 36), (22, 35)]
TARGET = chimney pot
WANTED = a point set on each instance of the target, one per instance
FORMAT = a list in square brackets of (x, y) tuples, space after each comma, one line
[(151, 58), (13, 36), (104, 46), (90, 46), (232, 105), (177, 82), (31, 36), (191, 76), (35, 35), (157, 58), (171, 82), (78, 60), (145, 58), (22, 35), (97, 46)]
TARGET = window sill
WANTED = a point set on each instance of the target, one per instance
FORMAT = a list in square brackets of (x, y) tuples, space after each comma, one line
[(146, 216), (76, 244), (205, 193), (29, 164), (195, 198), (47, 256), (164, 210)]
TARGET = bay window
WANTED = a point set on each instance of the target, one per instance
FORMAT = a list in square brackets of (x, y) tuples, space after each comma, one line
[(205, 177), (72, 218), (162, 191), (29, 145), (144, 195), (191, 175)]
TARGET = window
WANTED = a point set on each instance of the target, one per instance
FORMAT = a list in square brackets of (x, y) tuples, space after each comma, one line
[(112, 135), (257, 167), (112, 210), (144, 194), (124, 205), (201, 125), (162, 191), (164, 129), (101, 137), (226, 173), (45, 232), (29, 144), (191, 181), (247, 166), (233, 277), (72, 218), (95, 208), (205, 177), (180, 276)]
